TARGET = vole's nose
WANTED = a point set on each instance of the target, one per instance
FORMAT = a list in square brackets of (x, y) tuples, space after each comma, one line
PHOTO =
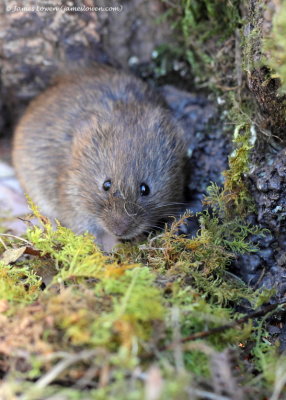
[(117, 194), (121, 226)]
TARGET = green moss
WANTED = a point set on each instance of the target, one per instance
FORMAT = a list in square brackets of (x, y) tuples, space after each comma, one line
[(234, 199), (275, 45), (74, 256), (18, 284), (198, 24), (135, 305), (211, 53), (250, 45), (269, 361), (128, 311), (174, 386)]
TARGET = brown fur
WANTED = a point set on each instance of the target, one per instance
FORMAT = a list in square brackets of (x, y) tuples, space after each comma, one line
[(92, 126)]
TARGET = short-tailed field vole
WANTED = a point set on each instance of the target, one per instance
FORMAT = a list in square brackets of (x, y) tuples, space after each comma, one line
[(99, 152)]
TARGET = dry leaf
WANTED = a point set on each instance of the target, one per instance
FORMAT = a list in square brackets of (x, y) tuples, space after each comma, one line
[(12, 255)]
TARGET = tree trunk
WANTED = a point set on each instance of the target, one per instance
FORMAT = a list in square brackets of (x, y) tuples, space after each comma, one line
[(36, 45)]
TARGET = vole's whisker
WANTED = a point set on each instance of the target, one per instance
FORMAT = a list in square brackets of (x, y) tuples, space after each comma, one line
[(166, 211), (85, 197), (178, 206), (129, 215)]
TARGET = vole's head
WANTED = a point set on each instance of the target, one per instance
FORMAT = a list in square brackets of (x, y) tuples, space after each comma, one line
[(129, 171)]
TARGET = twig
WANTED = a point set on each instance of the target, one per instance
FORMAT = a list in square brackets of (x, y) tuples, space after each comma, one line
[(178, 353), (208, 395), (16, 237), (88, 377), (33, 252), (62, 365), (259, 279), (219, 329), (3, 244)]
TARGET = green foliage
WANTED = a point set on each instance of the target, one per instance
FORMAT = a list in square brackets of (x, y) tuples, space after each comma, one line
[(189, 19), (235, 190), (210, 52), (209, 252), (232, 235), (198, 314), (234, 198), (135, 304), (269, 362), (117, 314), (74, 255), (250, 45), (19, 284), (174, 387), (222, 18)]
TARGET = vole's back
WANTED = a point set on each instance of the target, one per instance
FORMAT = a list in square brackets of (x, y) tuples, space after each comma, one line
[(43, 138), (100, 153)]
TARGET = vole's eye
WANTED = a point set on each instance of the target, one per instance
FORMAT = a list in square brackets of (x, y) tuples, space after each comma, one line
[(106, 185), (144, 189)]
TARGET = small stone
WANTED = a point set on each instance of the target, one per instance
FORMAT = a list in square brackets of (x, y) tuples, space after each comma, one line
[(262, 185), (266, 254), (274, 183), (133, 61)]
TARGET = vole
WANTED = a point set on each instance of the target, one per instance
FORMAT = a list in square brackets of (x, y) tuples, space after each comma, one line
[(99, 152)]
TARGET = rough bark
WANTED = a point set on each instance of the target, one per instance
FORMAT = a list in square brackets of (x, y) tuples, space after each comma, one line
[(267, 179), (271, 104), (35, 45), (269, 175)]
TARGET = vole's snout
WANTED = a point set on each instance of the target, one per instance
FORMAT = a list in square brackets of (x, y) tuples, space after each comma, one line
[(121, 226), (123, 219)]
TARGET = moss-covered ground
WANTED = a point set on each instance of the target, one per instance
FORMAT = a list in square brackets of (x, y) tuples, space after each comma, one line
[(160, 320)]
